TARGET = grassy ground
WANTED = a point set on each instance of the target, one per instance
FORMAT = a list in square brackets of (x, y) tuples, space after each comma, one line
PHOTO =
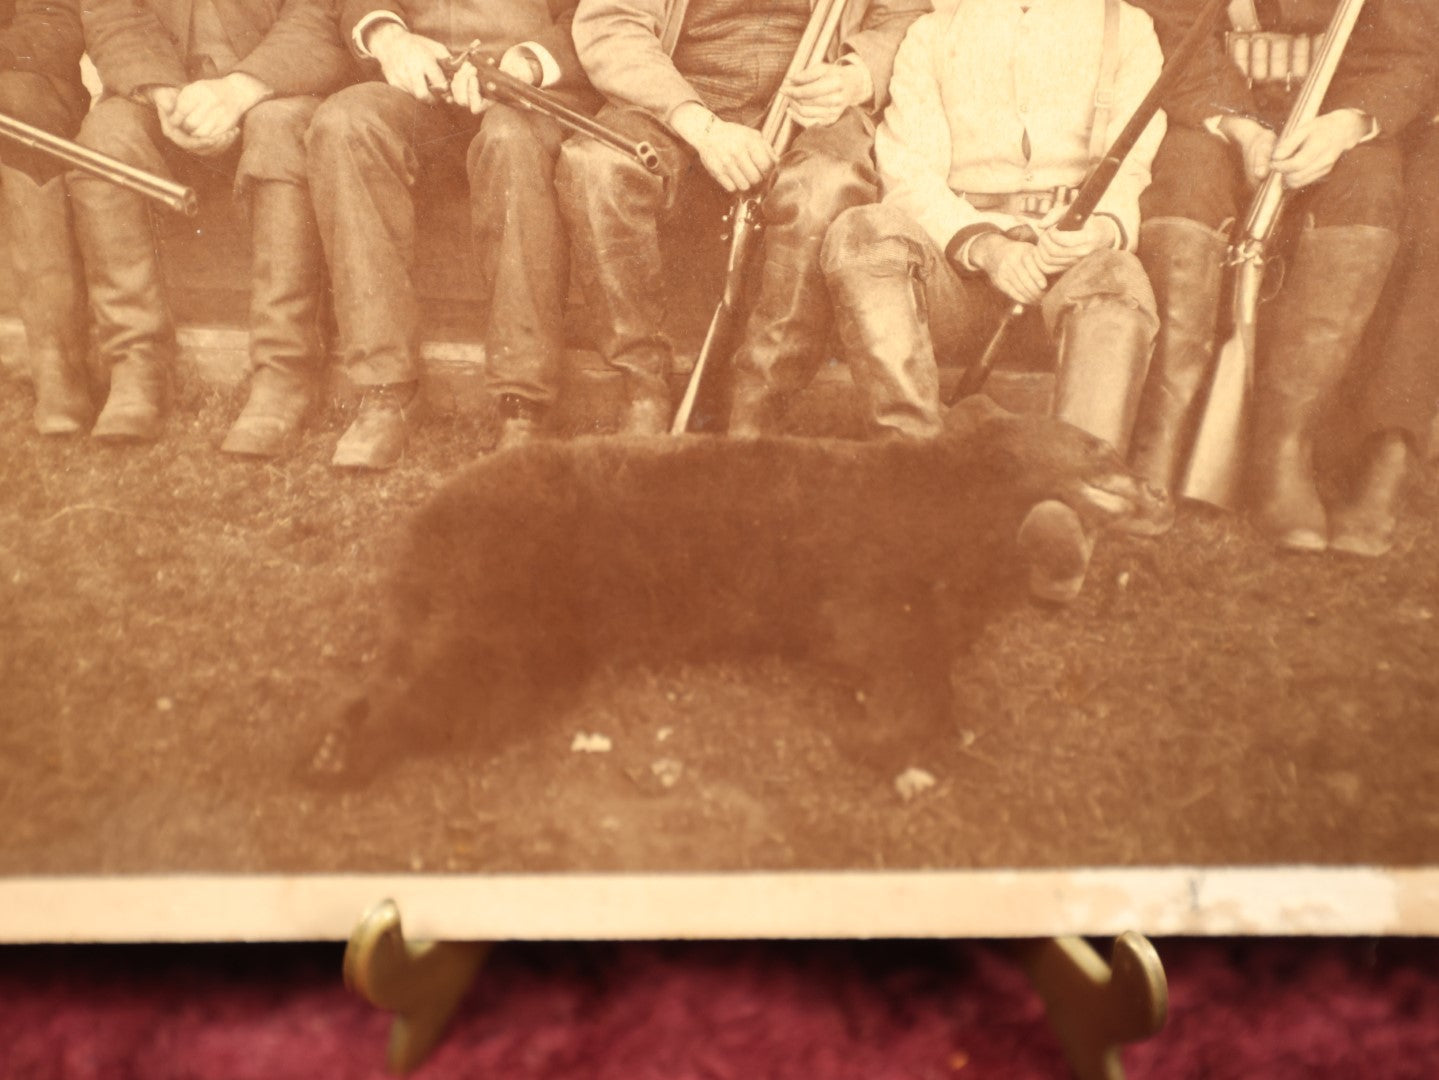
[(175, 629)]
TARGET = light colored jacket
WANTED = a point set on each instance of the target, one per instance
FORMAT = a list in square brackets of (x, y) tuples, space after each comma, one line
[(620, 43), (979, 82)]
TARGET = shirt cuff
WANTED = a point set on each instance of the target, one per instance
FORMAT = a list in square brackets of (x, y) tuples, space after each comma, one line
[(959, 246), (1121, 237), (853, 60), (357, 38), (549, 67), (1373, 132)]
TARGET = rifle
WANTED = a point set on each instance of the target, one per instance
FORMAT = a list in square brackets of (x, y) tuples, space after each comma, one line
[(743, 216), (177, 197), (1099, 179), (497, 85), (1212, 474)]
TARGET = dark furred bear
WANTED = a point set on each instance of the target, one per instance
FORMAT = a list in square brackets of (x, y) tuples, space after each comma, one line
[(880, 561)]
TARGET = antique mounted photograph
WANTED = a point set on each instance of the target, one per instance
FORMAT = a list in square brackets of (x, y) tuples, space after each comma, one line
[(685, 468)]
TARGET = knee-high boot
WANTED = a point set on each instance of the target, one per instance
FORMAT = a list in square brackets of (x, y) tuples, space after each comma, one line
[(136, 334), (1104, 346), (1185, 263), (1333, 284), (286, 344), (52, 300)]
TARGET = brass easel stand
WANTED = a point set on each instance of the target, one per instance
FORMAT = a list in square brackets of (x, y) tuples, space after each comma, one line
[(422, 984), (1093, 1007)]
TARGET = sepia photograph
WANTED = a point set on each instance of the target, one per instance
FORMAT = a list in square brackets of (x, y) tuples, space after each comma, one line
[(708, 468)]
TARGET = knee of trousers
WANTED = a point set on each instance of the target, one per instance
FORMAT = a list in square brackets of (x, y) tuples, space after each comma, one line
[(349, 125), (1366, 187), (274, 140), (595, 185), (510, 140), (119, 127), (1194, 176), (812, 188), (1104, 279), (871, 241)]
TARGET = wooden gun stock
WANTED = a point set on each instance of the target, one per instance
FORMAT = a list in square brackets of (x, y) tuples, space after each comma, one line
[(177, 197), (1212, 474)]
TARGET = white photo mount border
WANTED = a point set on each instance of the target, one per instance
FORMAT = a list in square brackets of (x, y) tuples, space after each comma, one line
[(1098, 901)]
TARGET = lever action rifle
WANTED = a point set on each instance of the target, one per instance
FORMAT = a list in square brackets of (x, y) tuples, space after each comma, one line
[(177, 197), (743, 217), (497, 85), (1100, 177), (1212, 475)]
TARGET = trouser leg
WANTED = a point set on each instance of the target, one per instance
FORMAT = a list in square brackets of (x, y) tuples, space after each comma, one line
[(895, 300), (135, 333), (362, 160), (286, 280), (1102, 313), (613, 207), (827, 171)]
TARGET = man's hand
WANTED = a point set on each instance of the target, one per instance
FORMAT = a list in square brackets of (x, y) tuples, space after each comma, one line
[(465, 85), (164, 99), (736, 156), (1059, 250), (210, 107), (1310, 152), (1012, 265), (1255, 144), (409, 62), (821, 92)]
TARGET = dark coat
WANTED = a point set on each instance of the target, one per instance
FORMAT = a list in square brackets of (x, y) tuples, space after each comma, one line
[(44, 36), (289, 45), (498, 24)]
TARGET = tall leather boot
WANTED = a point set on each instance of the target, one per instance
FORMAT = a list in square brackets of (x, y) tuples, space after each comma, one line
[(1364, 523), (52, 300), (1332, 286), (1104, 347), (286, 343), (136, 335), (883, 328), (1185, 263)]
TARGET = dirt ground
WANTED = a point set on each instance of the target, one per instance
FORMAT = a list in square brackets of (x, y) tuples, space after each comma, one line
[(177, 628)]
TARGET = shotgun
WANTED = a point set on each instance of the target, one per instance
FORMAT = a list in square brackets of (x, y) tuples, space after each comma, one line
[(1100, 177), (497, 85), (743, 216), (1212, 474), (177, 197)]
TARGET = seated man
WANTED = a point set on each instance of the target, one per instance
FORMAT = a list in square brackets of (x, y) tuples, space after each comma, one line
[(40, 47), (365, 150), (1221, 142), (694, 79), (182, 81), (996, 109)]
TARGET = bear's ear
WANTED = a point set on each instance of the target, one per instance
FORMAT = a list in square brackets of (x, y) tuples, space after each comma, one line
[(972, 413)]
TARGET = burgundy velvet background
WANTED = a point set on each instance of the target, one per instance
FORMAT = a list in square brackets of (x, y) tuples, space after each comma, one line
[(715, 1011)]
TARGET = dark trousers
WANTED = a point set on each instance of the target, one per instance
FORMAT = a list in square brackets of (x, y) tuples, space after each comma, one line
[(615, 210), (114, 225), (32, 99), (1398, 386), (1199, 176), (366, 147)]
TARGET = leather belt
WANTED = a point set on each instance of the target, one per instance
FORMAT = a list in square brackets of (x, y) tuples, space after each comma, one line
[(1020, 203), (1264, 57)]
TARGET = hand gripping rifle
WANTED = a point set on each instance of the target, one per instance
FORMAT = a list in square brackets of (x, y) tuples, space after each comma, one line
[(1212, 475), (1100, 177), (743, 216), (497, 85), (177, 197)]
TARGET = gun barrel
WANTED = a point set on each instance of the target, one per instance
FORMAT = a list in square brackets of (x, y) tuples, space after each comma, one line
[(176, 196), (501, 86)]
